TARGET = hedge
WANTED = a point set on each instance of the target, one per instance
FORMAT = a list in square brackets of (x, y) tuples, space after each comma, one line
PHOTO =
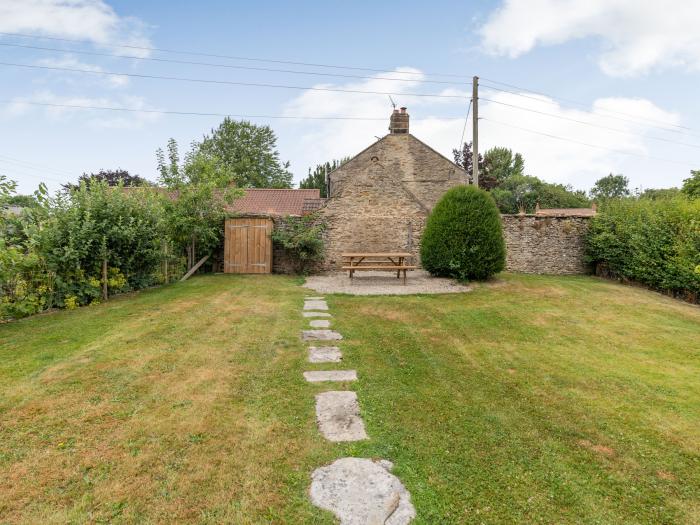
[(652, 242)]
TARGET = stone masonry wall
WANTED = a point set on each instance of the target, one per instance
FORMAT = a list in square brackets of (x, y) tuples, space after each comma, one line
[(545, 245), (381, 198), (283, 261)]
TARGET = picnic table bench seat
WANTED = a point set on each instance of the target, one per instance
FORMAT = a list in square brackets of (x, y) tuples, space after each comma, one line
[(378, 261)]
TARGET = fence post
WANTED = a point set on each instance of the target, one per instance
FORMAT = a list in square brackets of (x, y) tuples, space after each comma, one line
[(104, 279)]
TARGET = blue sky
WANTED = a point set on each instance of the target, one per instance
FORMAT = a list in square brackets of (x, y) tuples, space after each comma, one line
[(629, 70)]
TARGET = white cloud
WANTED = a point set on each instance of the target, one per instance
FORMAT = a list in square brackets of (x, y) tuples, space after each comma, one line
[(97, 118), (312, 142), (638, 36), (571, 159), (92, 20), (69, 61)]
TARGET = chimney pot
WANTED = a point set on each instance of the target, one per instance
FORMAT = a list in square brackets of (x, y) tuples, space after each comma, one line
[(398, 123)]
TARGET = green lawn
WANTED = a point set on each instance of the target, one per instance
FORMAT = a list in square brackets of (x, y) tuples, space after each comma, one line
[(531, 399)]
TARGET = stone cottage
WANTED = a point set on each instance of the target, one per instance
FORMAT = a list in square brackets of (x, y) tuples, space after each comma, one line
[(380, 199)]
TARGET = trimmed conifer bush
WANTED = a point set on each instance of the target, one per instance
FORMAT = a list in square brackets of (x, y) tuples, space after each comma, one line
[(463, 237)]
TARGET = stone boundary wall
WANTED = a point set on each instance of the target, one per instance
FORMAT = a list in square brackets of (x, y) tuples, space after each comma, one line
[(282, 261), (545, 245), (539, 245)]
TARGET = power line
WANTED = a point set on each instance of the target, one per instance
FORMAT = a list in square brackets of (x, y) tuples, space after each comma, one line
[(325, 65), (578, 103), (616, 130), (232, 66), (466, 120), (601, 112), (231, 57), (557, 137), (19, 174), (193, 113), (227, 82), (33, 165)]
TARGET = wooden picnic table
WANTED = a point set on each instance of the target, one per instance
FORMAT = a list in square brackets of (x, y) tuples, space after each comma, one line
[(378, 261)]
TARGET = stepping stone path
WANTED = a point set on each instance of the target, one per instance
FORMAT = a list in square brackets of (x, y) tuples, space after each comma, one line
[(362, 492), (358, 491), (320, 335), (318, 376), (324, 354), (315, 305), (315, 314), (338, 416)]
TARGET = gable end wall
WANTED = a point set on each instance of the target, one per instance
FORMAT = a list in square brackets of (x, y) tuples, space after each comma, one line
[(381, 198)]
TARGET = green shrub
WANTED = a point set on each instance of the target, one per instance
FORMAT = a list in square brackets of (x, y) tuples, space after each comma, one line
[(301, 237), (463, 236), (653, 242)]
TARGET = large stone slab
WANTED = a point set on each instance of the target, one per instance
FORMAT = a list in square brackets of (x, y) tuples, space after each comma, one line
[(314, 298), (315, 305), (315, 314), (362, 492), (325, 354), (338, 416), (320, 323), (319, 376), (320, 335)]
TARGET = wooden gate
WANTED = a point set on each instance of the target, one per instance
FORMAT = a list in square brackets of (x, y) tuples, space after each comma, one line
[(248, 246)]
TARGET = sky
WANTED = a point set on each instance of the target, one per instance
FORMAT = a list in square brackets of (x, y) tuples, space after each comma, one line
[(580, 88)]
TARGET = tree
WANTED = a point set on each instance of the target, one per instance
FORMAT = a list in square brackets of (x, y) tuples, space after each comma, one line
[(23, 201), (655, 194), (525, 192), (317, 178), (463, 237), (499, 165), (7, 188), (691, 185), (111, 177), (463, 158), (199, 190), (246, 153), (610, 187)]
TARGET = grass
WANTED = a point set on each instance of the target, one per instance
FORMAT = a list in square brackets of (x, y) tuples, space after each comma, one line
[(534, 399)]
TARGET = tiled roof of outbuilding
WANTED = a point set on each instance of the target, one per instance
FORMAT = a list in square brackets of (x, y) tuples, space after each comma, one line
[(276, 202)]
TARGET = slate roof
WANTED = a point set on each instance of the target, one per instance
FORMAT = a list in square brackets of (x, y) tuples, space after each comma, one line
[(277, 202)]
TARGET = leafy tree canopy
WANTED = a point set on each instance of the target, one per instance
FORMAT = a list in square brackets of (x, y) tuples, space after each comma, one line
[(317, 178), (610, 187), (25, 201), (110, 177), (7, 188), (524, 191), (655, 194), (691, 185), (499, 165), (200, 190), (463, 158), (247, 153)]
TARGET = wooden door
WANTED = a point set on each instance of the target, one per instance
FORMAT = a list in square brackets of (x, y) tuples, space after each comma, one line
[(248, 246)]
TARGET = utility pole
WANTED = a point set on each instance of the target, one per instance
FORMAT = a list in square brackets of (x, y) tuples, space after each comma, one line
[(475, 131)]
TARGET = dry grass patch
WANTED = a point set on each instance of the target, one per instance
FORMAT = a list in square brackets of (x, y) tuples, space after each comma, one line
[(164, 412)]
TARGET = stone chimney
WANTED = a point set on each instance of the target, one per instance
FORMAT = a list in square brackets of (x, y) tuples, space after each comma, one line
[(399, 121)]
